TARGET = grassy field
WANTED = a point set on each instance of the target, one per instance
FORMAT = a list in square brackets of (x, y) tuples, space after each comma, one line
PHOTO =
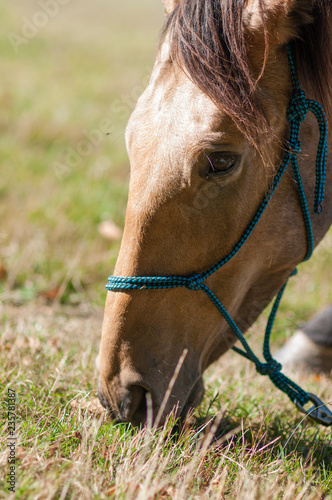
[(69, 80)]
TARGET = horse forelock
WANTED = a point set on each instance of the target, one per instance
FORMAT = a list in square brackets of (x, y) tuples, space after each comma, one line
[(207, 40)]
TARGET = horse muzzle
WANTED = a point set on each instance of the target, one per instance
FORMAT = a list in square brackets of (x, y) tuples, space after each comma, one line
[(137, 402)]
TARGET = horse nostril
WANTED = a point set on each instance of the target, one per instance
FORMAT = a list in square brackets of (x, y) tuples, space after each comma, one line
[(136, 410), (130, 404)]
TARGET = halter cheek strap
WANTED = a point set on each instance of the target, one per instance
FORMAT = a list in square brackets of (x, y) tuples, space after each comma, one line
[(297, 110)]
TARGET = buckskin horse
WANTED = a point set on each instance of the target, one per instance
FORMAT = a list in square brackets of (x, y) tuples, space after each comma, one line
[(222, 154)]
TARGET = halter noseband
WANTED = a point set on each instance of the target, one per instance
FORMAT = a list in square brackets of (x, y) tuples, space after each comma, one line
[(297, 110)]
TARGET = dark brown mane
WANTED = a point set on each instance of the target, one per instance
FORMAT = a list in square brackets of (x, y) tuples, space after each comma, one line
[(207, 40)]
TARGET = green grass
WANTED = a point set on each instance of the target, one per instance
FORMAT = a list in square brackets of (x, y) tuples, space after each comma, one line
[(246, 440)]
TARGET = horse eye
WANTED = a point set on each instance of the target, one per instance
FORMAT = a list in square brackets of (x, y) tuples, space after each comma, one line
[(221, 162)]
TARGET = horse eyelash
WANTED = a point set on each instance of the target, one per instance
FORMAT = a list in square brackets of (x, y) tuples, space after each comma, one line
[(210, 161)]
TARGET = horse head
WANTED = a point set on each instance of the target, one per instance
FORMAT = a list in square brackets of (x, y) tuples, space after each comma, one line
[(204, 142)]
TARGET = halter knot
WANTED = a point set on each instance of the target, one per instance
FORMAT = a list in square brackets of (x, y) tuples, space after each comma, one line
[(268, 368), (195, 282), (298, 107), (294, 146)]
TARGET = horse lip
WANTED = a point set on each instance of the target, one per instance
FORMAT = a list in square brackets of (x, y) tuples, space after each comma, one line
[(194, 399), (103, 401), (101, 397), (108, 407)]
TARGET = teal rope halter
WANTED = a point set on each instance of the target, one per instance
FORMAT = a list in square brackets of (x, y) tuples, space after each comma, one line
[(297, 110)]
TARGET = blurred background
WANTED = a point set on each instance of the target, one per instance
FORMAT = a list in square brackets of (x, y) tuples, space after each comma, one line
[(71, 73)]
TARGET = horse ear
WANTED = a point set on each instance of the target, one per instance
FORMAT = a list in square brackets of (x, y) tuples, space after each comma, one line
[(277, 20), (170, 5)]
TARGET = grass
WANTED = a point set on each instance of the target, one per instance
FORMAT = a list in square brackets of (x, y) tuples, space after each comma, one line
[(246, 440)]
